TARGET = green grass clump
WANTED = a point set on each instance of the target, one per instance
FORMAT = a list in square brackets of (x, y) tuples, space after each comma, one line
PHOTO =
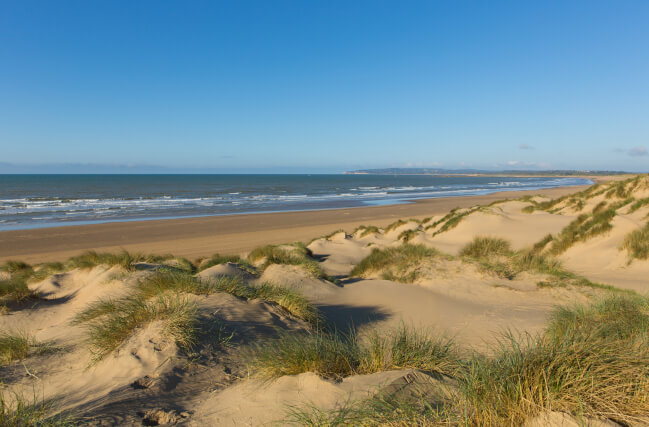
[(297, 254), (482, 247), (400, 263), (217, 259), (124, 259), (396, 224), (162, 296), (407, 235), (495, 256), (16, 267), (110, 323), (20, 412), (591, 361), (337, 355), (637, 243), (451, 220), (366, 230), (14, 347), (638, 204), (14, 291), (290, 300)]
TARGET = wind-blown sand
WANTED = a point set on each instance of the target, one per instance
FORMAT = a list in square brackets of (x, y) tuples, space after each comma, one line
[(149, 379)]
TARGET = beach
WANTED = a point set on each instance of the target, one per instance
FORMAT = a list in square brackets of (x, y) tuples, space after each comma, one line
[(325, 312), (228, 234)]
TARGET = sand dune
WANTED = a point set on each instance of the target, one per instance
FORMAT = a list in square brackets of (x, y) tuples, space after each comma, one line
[(152, 376)]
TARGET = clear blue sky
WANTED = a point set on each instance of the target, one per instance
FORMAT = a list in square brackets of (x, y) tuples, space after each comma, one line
[(325, 86)]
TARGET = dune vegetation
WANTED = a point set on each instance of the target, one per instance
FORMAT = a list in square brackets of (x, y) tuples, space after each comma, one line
[(337, 355), (636, 243), (295, 254), (396, 263), (574, 366)]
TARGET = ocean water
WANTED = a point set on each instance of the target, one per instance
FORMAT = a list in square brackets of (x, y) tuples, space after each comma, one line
[(34, 201)]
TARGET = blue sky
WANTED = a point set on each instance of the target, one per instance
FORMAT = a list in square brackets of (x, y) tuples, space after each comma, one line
[(304, 86)]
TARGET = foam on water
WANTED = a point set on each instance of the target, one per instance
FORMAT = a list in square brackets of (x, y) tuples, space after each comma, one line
[(28, 201)]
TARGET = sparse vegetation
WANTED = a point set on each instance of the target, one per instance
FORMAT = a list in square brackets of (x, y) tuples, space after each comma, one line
[(14, 346), (161, 296), (396, 224), (16, 411), (591, 361), (337, 355), (110, 323), (123, 259), (366, 230), (482, 247), (217, 259), (637, 243), (451, 220), (638, 204), (399, 264), (407, 235), (14, 291), (295, 254)]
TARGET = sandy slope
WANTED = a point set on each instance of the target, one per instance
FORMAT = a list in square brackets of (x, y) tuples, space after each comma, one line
[(149, 379)]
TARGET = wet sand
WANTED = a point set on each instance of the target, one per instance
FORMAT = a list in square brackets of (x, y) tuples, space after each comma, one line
[(229, 234)]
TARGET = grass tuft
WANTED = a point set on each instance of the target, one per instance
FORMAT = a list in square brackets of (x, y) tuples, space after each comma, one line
[(637, 243), (337, 355), (297, 254), (16, 411), (110, 323), (217, 259), (366, 230), (400, 263), (482, 247)]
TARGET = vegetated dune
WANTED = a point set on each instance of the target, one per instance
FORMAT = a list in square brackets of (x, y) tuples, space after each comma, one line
[(448, 320)]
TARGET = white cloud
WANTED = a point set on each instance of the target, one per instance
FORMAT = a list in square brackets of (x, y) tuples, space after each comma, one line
[(525, 147)]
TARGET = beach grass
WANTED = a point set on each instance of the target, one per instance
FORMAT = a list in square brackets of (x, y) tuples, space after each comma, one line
[(398, 263), (336, 355), (636, 243), (591, 361), (366, 230), (295, 254), (18, 411), (113, 322), (407, 235)]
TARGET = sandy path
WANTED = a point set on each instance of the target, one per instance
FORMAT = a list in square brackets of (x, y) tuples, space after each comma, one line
[(195, 237)]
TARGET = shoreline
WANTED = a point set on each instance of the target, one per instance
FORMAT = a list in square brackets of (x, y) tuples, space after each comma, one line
[(228, 234)]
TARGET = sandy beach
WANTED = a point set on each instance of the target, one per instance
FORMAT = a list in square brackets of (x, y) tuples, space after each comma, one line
[(425, 289), (230, 234)]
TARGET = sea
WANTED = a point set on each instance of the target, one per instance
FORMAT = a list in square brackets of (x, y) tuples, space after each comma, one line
[(36, 201)]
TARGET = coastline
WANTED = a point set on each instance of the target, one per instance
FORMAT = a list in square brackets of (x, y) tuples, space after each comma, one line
[(228, 234)]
